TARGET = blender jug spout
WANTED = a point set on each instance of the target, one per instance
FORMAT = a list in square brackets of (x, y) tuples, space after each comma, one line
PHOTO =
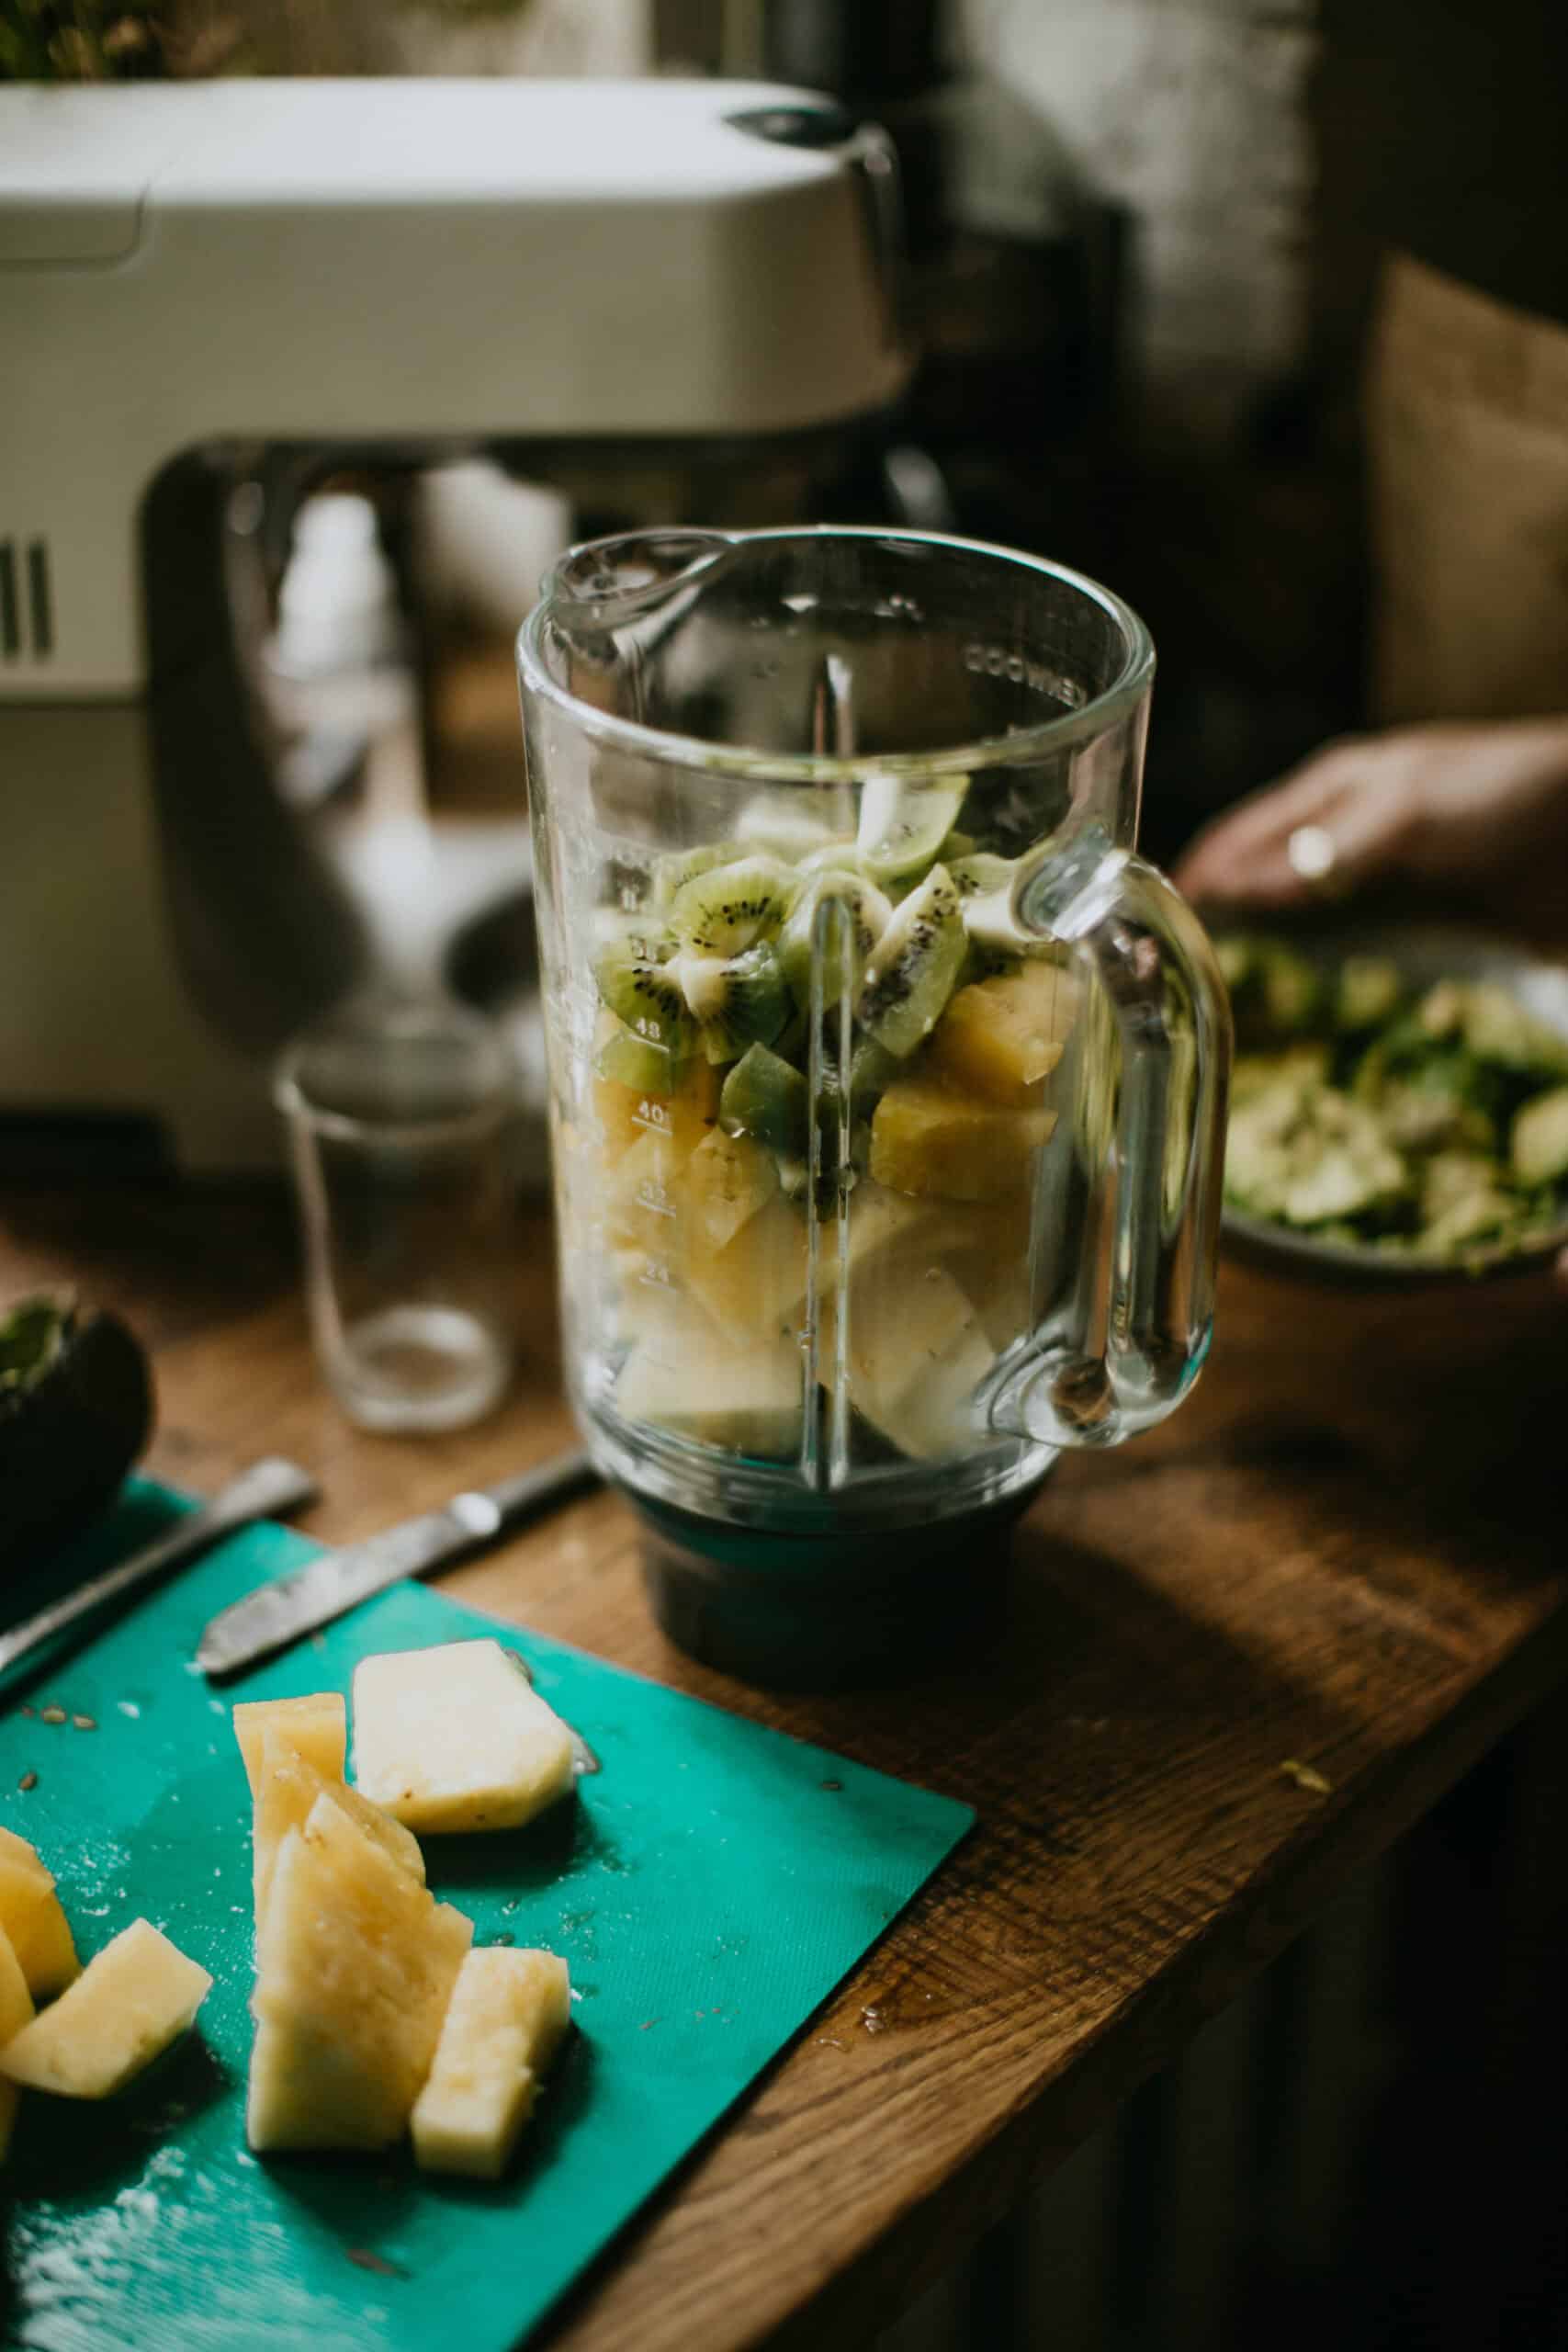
[(608, 586)]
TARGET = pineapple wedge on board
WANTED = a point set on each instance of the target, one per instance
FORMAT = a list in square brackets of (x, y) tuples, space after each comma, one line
[(15, 2009), (32, 1919), (455, 1737), (289, 1787), (355, 1967), (508, 2015), (316, 1729), (130, 2001)]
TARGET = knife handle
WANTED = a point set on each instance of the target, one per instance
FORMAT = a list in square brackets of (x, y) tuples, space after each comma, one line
[(262, 1491)]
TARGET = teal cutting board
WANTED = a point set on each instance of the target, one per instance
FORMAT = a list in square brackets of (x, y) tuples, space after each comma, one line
[(709, 1887)]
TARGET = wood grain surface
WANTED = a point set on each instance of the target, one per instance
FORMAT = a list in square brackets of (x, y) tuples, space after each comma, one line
[(1240, 1657)]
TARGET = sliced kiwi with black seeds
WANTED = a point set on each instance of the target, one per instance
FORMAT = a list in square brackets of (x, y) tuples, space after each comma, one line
[(847, 945), (904, 825), (647, 996), (678, 867), (738, 1000), (727, 910), (915, 968), (765, 1097)]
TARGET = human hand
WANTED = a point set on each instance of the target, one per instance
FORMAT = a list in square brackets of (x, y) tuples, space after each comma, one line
[(1471, 811)]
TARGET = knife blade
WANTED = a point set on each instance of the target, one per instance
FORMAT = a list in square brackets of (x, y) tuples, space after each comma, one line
[(325, 1587)]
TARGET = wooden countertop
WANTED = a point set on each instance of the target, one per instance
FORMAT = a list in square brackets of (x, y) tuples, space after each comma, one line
[(1244, 1653)]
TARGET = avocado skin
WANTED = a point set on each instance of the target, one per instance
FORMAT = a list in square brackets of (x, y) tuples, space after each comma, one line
[(68, 1438)]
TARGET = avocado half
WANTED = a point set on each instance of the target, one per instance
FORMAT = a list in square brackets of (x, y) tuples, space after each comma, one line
[(76, 1409)]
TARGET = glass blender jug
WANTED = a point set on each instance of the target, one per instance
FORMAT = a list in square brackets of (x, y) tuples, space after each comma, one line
[(888, 1082)]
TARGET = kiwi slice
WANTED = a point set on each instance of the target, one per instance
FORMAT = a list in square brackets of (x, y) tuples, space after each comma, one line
[(678, 866), (646, 995), (763, 1096), (783, 824), (631, 1061), (739, 999), (915, 965), (840, 856), (868, 912), (903, 824), (727, 910)]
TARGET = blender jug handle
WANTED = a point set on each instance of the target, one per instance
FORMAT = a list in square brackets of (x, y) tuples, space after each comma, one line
[(1135, 1336)]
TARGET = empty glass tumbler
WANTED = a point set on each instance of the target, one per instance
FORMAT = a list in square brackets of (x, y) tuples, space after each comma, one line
[(888, 1080), (400, 1117)]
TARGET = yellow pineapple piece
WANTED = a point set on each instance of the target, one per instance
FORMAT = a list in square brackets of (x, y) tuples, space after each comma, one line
[(999, 1038), (927, 1140), (727, 1180), (754, 1288), (316, 1729), (16, 1850), (642, 1203), (509, 2013), (355, 1968), (914, 1355), (456, 1738), (15, 2009), (132, 2000), (683, 1114), (290, 1785), (32, 1919)]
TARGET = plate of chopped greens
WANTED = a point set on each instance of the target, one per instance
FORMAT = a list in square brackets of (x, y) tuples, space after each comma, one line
[(1399, 1103)]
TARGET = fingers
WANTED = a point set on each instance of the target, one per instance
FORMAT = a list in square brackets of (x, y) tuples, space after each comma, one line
[(1357, 805)]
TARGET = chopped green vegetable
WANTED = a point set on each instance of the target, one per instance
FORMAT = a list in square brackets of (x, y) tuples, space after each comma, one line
[(1433, 1124)]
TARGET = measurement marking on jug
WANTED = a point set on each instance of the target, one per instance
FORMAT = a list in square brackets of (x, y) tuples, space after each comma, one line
[(654, 1197), (655, 1272), (655, 1117)]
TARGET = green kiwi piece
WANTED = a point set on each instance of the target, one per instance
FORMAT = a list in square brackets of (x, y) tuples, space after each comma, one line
[(764, 1097), (834, 857), (727, 910), (783, 824), (646, 995), (739, 999), (916, 965), (632, 1061), (981, 873), (678, 867), (868, 913), (904, 825)]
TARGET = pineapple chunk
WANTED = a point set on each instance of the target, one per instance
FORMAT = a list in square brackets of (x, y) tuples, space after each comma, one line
[(927, 1140), (316, 1729), (290, 1785), (755, 1288), (509, 2013), (683, 1112), (15, 2009), (640, 1209), (16, 1850), (916, 1353), (130, 2001), (998, 1038), (746, 1399), (354, 1969), (728, 1179), (455, 1737), (32, 1919)]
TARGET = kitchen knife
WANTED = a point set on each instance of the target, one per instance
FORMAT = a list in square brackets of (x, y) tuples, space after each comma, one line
[(264, 1491), (325, 1586)]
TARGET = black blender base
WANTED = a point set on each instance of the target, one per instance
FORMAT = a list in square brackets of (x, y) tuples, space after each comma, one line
[(822, 1612)]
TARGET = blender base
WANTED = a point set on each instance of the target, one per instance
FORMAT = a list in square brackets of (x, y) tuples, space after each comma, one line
[(818, 1612)]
